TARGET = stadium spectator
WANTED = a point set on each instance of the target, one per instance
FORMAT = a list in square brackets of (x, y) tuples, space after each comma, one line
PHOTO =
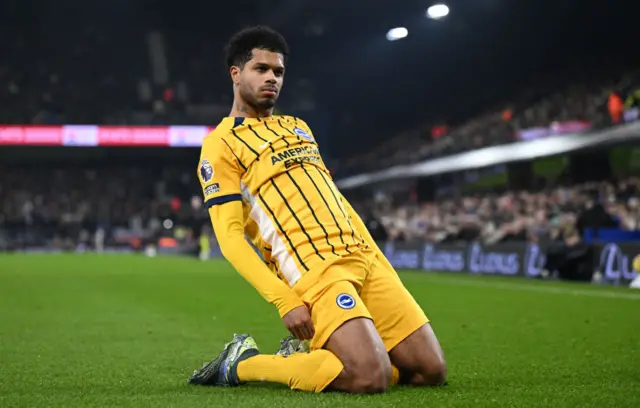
[(616, 108), (632, 106)]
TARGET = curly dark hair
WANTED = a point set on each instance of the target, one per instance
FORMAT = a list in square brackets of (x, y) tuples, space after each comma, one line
[(239, 49)]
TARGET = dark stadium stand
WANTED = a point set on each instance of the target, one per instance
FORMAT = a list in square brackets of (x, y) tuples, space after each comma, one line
[(586, 103), (75, 77)]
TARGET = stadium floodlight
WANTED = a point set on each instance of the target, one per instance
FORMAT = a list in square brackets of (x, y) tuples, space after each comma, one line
[(397, 33), (438, 11)]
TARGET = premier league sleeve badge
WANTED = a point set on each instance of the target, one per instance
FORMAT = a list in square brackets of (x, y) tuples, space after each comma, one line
[(206, 171)]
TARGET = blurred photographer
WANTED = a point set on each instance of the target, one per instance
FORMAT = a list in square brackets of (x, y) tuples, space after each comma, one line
[(568, 257)]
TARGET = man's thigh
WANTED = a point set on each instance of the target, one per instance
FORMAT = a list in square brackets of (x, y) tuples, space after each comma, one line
[(344, 326), (395, 312), (334, 297), (337, 304)]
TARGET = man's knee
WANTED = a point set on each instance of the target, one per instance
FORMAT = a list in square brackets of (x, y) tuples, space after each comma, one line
[(432, 375), (367, 367), (371, 375), (420, 359)]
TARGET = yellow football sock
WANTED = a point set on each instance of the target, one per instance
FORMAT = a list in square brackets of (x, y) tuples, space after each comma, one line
[(395, 375), (312, 371)]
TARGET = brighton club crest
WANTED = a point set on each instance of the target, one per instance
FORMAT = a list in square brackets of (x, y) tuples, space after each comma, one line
[(303, 134)]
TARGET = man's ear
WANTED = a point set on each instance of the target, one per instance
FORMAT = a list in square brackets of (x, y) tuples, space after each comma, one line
[(235, 71)]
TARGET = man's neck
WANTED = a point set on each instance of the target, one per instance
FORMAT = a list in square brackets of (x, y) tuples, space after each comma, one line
[(242, 110)]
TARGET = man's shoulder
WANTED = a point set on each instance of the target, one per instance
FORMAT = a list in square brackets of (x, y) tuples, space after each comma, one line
[(221, 130), (299, 122)]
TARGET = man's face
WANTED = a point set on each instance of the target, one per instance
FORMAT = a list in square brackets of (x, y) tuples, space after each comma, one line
[(260, 81)]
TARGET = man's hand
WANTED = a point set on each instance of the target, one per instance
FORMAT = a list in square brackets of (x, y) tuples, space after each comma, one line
[(298, 322)]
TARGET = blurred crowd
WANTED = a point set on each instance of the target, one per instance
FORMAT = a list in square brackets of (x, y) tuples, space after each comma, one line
[(555, 214), (122, 206), (108, 75), (129, 205), (78, 82)]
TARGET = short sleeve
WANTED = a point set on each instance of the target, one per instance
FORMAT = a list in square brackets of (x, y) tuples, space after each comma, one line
[(219, 173)]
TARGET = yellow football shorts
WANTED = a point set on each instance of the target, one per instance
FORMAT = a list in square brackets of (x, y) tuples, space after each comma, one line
[(360, 285)]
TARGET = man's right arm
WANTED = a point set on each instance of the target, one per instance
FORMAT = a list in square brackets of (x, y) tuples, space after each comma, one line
[(227, 220), (220, 178)]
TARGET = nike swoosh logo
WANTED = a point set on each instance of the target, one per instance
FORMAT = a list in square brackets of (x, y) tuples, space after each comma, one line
[(264, 146)]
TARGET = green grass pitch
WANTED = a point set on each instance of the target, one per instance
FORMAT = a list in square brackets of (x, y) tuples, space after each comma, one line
[(119, 330)]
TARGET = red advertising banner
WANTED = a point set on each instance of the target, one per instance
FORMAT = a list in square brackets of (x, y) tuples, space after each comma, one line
[(93, 135)]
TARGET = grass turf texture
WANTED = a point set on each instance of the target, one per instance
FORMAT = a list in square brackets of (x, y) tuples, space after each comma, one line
[(88, 330)]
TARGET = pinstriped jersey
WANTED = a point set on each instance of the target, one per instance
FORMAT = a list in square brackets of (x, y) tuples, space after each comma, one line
[(293, 210)]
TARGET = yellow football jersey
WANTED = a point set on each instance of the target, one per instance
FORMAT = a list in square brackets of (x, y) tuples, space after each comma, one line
[(293, 211)]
